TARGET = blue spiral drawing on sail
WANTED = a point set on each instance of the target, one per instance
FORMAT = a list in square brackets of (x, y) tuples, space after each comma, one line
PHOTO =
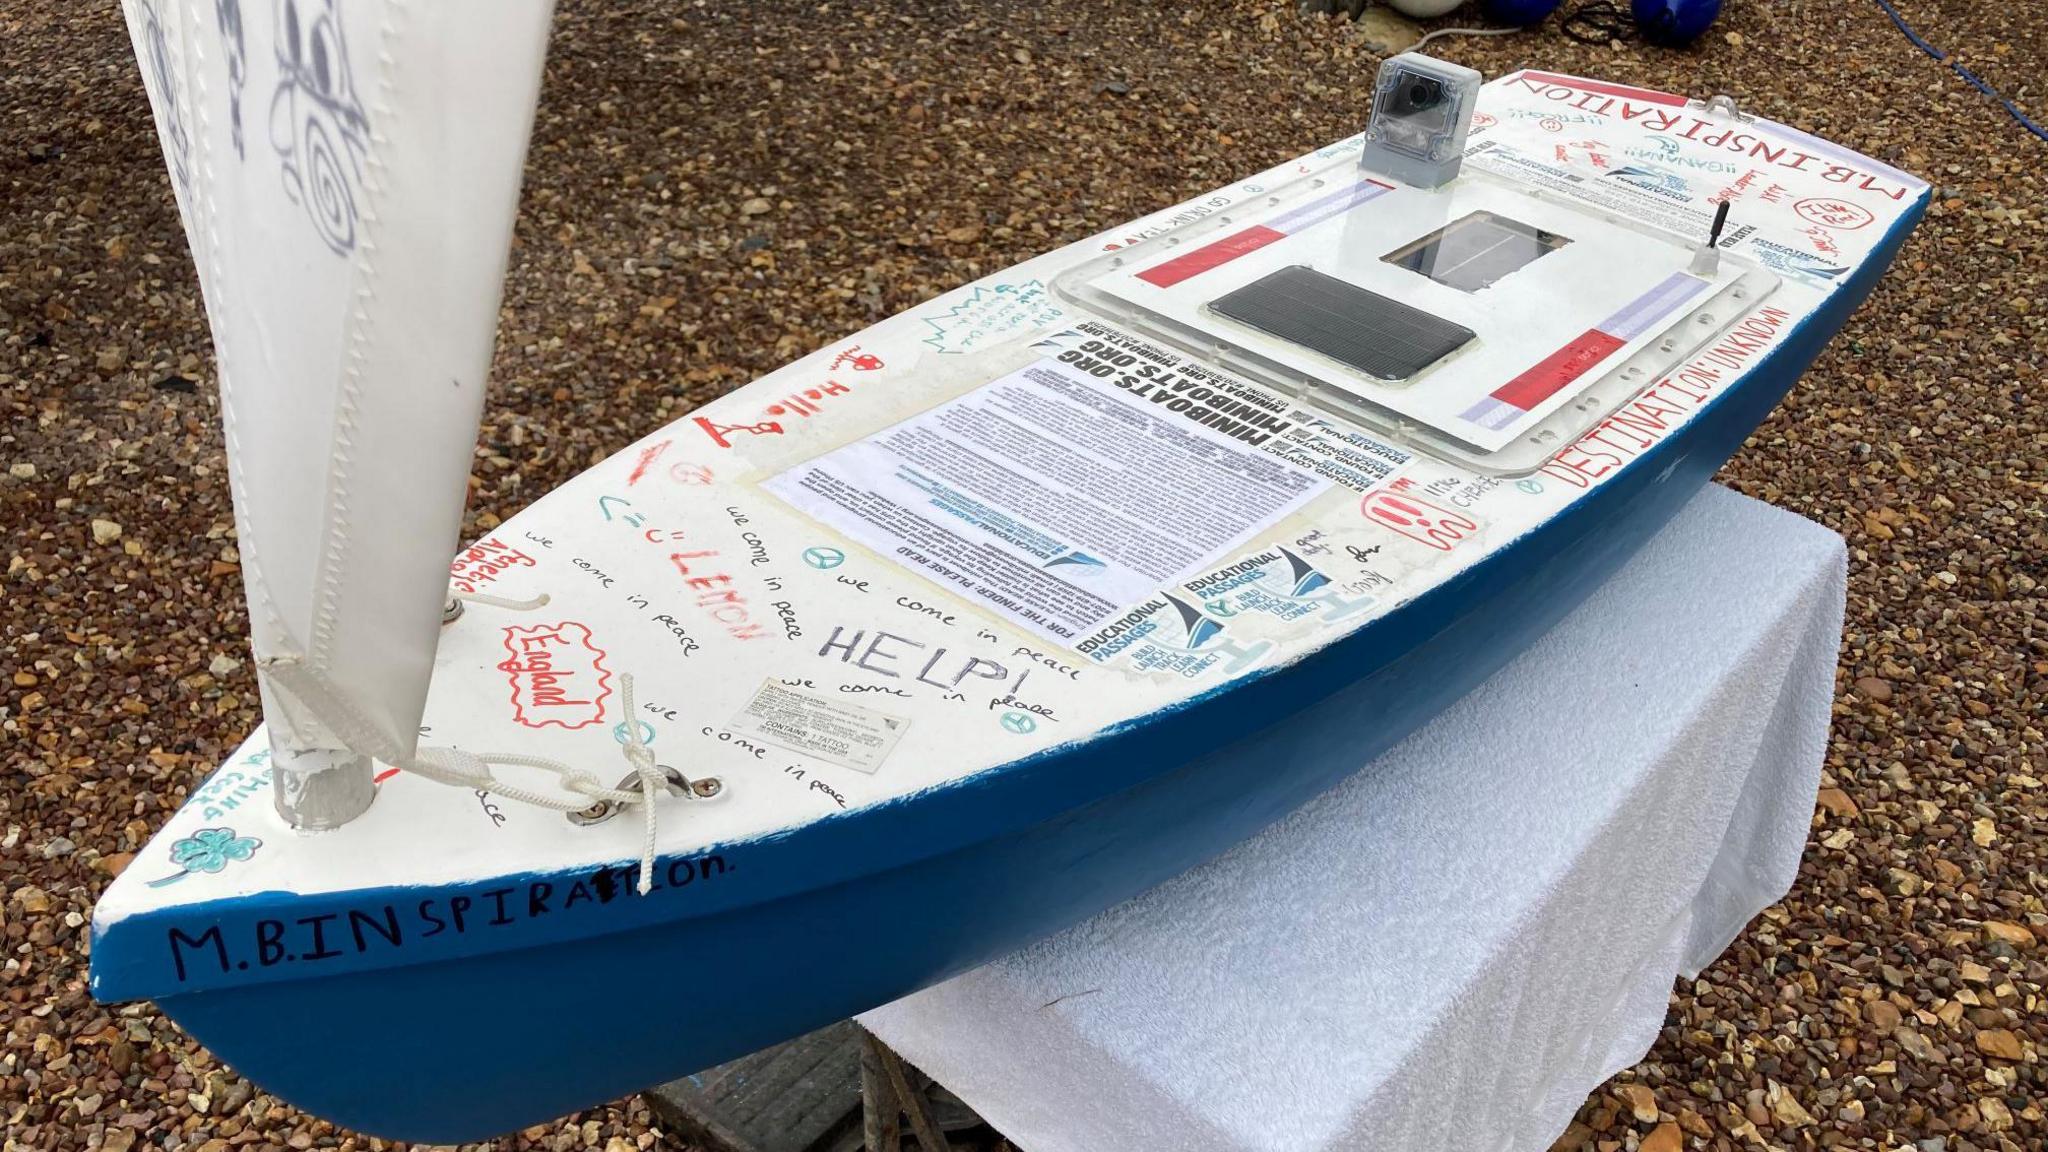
[(317, 125), (234, 48), (177, 145)]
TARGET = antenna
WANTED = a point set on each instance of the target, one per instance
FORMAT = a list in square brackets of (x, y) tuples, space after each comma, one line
[(1706, 259)]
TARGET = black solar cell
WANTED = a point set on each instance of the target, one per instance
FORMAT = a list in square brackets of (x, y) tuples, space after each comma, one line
[(1380, 337)]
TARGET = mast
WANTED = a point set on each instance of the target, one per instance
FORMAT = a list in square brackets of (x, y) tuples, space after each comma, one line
[(348, 173)]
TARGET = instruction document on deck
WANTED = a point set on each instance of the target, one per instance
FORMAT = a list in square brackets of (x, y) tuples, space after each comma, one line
[(1053, 496)]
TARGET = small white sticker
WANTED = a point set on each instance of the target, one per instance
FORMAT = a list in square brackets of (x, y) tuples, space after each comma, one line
[(844, 734)]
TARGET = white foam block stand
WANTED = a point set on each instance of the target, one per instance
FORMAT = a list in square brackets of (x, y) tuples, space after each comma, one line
[(1454, 947)]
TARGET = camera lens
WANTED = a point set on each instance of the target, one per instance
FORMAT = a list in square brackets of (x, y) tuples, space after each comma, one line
[(1413, 93)]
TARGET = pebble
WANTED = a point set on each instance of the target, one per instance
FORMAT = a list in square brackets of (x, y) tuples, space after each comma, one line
[(1664, 1138), (2013, 934), (1385, 33), (2003, 1043), (1642, 1102)]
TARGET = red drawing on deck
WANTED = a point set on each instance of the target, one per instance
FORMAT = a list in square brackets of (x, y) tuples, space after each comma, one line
[(1823, 241), (1418, 519), (715, 593), (855, 359), (648, 456), (1595, 152), (684, 472), (481, 565), (557, 675), (1829, 212), (805, 401), (719, 432)]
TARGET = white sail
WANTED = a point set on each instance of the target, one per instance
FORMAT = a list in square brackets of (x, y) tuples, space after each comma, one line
[(348, 172)]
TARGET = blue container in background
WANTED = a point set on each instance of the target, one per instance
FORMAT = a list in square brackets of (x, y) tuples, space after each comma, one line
[(1521, 13), (1674, 23)]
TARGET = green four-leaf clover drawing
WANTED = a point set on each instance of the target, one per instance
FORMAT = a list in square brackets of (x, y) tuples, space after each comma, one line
[(208, 850)]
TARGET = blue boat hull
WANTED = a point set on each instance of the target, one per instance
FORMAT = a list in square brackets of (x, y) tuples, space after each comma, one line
[(968, 872)]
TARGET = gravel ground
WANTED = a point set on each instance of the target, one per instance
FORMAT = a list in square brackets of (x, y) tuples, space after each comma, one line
[(716, 187)]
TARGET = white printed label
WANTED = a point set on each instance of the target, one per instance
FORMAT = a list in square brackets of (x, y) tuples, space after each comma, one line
[(832, 730), (1054, 497)]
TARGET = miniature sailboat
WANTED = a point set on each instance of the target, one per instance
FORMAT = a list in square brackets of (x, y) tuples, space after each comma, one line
[(976, 622)]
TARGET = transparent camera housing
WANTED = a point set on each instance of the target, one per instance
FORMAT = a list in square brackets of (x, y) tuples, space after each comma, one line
[(1421, 113)]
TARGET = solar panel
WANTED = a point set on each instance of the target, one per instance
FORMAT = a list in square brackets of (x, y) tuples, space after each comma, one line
[(1375, 334)]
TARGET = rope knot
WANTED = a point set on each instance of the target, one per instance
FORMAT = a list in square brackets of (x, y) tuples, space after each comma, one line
[(469, 770), (640, 756)]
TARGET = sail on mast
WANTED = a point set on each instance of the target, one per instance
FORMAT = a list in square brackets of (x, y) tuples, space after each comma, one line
[(348, 173)]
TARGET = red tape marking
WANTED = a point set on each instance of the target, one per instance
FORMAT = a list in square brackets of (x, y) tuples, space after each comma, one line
[(1191, 264), (1555, 371), (1606, 89)]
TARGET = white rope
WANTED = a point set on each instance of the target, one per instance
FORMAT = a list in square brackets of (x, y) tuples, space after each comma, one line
[(490, 601), (461, 769), (1443, 32), (651, 779)]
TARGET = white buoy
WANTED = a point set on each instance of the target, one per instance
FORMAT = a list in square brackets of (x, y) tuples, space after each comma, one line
[(1423, 9)]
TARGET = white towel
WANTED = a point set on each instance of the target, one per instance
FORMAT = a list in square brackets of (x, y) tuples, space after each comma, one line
[(1452, 949)]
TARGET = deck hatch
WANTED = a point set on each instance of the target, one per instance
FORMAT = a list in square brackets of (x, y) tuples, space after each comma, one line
[(1474, 251)]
